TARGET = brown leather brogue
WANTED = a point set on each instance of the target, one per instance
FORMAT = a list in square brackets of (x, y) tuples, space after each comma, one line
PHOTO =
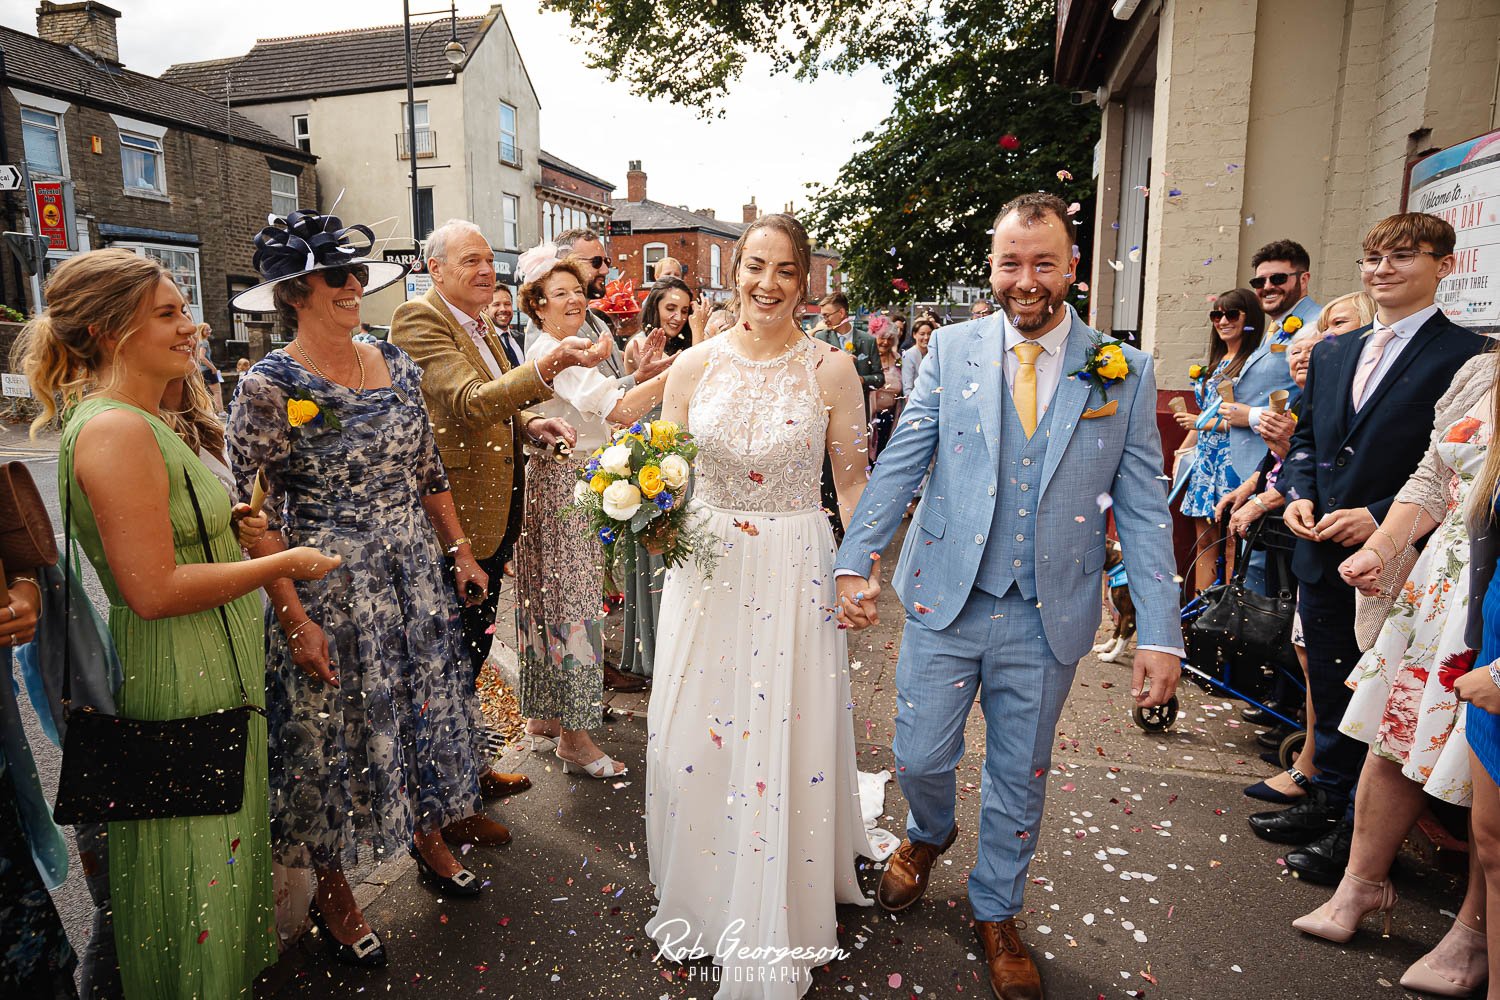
[(1013, 975), (478, 829), (905, 877), (498, 784)]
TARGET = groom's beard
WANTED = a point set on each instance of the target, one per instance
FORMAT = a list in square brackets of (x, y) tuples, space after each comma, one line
[(1041, 316)]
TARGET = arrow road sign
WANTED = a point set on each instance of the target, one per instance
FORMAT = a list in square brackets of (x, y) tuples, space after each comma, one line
[(10, 177)]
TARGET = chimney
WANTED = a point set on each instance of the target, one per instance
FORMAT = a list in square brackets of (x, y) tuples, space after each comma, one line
[(89, 26), (707, 213), (751, 211), (635, 182)]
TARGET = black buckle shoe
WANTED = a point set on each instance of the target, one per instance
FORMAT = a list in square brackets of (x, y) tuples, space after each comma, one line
[(1323, 861), (463, 883), (1303, 823), (368, 951)]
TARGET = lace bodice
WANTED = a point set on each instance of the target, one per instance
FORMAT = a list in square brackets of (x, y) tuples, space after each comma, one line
[(761, 428)]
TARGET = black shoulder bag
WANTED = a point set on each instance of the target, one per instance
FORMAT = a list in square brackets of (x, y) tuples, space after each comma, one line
[(1247, 626), (115, 768)]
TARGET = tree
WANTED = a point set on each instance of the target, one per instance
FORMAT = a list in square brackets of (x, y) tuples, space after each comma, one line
[(976, 121)]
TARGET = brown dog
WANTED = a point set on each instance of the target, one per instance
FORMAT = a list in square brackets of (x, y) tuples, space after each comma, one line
[(1118, 596)]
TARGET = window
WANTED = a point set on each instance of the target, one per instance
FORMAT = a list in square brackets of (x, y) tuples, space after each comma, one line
[(182, 262), (715, 266), (41, 132), (300, 134), (425, 143), (425, 222), (828, 279), (141, 163), (650, 254), (510, 206), (283, 194), (510, 152)]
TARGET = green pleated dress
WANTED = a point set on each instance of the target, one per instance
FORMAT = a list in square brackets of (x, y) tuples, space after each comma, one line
[(192, 897)]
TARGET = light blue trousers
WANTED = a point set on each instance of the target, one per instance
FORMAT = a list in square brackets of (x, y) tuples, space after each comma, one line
[(995, 648)]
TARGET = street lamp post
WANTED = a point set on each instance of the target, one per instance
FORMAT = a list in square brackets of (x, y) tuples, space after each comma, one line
[(453, 52)]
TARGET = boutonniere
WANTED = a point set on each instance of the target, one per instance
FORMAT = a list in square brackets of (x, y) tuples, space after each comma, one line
[(1285, 331), (1195, 372), (302, 410), (1106, 366)]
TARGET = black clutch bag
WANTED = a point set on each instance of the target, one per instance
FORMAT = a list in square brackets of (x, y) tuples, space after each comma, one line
[(115, 768), (1246, 626)]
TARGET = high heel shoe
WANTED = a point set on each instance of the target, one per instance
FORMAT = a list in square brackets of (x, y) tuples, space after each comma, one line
[(542, 743), (368, 951), (1318, 925), (1423, 978), (462, 883), (601, 768)]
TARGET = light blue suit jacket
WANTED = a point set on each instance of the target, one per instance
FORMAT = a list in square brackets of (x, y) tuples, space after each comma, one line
[(1265, 371), (954, 412)]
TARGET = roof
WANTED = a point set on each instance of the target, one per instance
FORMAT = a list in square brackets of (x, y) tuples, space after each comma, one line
[(546, 159), (64, 71), (333, 62), (653, 217)]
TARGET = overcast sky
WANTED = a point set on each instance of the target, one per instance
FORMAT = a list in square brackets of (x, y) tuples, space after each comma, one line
[(777, 133)]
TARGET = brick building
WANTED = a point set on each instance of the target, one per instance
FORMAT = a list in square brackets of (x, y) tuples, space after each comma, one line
[(569, 197), (644, 231), (1230, 123), (131, 161)]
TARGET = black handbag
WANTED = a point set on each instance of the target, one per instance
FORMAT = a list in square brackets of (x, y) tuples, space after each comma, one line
[(1245, 626), (115, 768)]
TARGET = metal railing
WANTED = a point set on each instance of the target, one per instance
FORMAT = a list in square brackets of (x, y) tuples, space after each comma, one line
[(426, 143), (510, 153)]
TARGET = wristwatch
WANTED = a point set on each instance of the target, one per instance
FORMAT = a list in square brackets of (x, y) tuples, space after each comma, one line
[(1260, 503)]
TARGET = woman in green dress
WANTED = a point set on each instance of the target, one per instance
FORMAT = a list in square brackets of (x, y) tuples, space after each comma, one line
[(192, 899)]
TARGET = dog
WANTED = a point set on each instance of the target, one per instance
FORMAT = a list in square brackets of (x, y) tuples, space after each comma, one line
[(1122, 608)]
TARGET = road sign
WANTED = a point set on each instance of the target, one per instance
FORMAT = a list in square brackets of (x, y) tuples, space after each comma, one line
[(29, 250), (10, 177)]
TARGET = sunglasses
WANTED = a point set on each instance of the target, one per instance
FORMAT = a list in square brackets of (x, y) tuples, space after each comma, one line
[(1214, 315), (1277, 279), (596, 262), (338, 277)]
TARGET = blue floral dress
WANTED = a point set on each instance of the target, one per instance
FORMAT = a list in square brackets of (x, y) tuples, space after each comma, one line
[(1213, 473), (393, 747)]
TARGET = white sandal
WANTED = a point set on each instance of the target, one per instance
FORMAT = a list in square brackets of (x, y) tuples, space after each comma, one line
[(600, 768), (542, 743)]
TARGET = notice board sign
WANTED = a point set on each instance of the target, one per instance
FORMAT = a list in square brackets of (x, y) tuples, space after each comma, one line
[(1461, 184), (52, 213)]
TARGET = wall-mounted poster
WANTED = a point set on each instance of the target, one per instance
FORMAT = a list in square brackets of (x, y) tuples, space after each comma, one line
[(1462, 185)]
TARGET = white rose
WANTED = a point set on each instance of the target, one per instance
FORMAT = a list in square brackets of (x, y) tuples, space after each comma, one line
[(674, 472), (616, 460), (621, 499), (581, 491)]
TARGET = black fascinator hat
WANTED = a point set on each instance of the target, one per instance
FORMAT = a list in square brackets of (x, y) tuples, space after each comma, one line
[(305, 242)]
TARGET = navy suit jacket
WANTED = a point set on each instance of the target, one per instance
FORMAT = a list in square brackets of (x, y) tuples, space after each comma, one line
[(1341, 459)]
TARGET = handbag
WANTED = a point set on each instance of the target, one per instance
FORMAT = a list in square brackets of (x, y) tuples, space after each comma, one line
[(26, 540), (115, 768), (1370, 613), (1246, 626)]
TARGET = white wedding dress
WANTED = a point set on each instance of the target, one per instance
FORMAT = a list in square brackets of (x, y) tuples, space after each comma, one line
[(752, 797)]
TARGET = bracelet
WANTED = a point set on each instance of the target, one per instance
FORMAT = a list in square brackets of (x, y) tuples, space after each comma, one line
[(460, 540), (26, 579), (1260, 503), (292, 635), (1377, 556), (1387, 534)]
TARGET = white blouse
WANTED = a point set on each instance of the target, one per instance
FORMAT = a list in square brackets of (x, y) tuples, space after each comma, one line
[(584, 397)]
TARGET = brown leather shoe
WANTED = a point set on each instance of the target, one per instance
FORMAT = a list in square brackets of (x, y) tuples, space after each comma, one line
[(1013, 975), (905, 877), (617, 680), (497, 785), (478, 829)]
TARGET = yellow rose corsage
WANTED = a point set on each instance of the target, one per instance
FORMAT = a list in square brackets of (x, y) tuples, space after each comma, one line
[(1195, 372), (301, 411), (1107, 365), (1291, 324)]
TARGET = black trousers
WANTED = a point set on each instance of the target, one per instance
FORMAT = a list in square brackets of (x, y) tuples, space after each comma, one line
[(1327, 610), (477, 618)]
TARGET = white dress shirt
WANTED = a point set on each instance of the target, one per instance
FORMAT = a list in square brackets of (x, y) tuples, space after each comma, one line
[(1404, 329), (475, 329), (1049, 364)]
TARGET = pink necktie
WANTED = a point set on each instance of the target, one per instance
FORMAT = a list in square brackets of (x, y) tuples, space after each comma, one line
[(1371, 362)]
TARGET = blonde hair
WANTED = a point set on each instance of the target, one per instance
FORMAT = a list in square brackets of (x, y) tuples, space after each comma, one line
[(1363, 305), (91, 298), (197, 421)]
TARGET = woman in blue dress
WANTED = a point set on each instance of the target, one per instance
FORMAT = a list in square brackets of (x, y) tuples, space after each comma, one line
[(1236, 324)]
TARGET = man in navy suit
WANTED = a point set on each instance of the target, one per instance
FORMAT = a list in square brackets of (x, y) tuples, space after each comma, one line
[(1366, 421)]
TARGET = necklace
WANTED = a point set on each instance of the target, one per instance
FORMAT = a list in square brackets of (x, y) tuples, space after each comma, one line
[(128, 398), (314, 368)]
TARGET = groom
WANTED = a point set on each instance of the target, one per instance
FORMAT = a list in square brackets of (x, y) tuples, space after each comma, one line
[(1000, 572)]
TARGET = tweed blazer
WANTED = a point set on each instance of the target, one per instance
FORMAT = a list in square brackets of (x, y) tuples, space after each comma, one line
[(476, 418)]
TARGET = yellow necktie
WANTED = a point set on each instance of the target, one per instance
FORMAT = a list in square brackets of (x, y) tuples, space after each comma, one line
[(1025, 387)]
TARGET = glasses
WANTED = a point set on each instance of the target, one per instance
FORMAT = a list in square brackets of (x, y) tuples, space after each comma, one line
[(1214, 315), (1278, 279), (1400, 259), (596, 262), (338, 277)]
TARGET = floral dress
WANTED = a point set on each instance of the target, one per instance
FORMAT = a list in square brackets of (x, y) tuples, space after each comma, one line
[(1213, 473), (393, 747), (1403, 703)]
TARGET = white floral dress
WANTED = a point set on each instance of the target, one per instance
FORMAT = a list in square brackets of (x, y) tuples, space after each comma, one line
[(1403, 703)]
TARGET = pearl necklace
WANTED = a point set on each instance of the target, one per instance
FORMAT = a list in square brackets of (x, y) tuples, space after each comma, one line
[(314, 368)]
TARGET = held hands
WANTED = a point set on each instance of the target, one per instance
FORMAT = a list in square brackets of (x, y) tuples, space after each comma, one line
[(1478, 686), (248, 528), (857, 598), (471, 582), (1361, 570), (651, 362), (547, 431), (1347, 527), (1154, 677)]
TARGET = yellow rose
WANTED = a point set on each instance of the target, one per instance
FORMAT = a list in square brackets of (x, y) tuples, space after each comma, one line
[(1291, 324), (599, 481), (1112, 362), (301, 411), (651, 481), (1195, 372), (663, 434)]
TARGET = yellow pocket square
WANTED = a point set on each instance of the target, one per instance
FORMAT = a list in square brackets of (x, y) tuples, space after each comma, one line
[(1107, 410)]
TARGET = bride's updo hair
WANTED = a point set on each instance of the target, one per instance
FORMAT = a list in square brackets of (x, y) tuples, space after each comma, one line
[(91, 298), (789, 227)]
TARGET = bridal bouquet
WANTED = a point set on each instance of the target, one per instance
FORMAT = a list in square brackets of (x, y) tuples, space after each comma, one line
[(634, 489)]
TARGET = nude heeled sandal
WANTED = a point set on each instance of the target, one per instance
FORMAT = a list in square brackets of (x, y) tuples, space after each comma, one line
[(1318, 925)]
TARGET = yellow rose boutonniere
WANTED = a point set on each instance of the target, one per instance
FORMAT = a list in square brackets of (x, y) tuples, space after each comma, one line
[(1195, 372), (651, 481), (1106, 366), (1114, 365), (1291, 324)]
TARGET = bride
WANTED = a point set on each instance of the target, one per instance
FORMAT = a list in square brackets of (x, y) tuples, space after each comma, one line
[(752, 800)]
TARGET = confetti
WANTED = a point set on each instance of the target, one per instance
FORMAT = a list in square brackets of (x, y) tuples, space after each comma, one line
[(1010, 142), (1064, 175), (1074, 208)]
